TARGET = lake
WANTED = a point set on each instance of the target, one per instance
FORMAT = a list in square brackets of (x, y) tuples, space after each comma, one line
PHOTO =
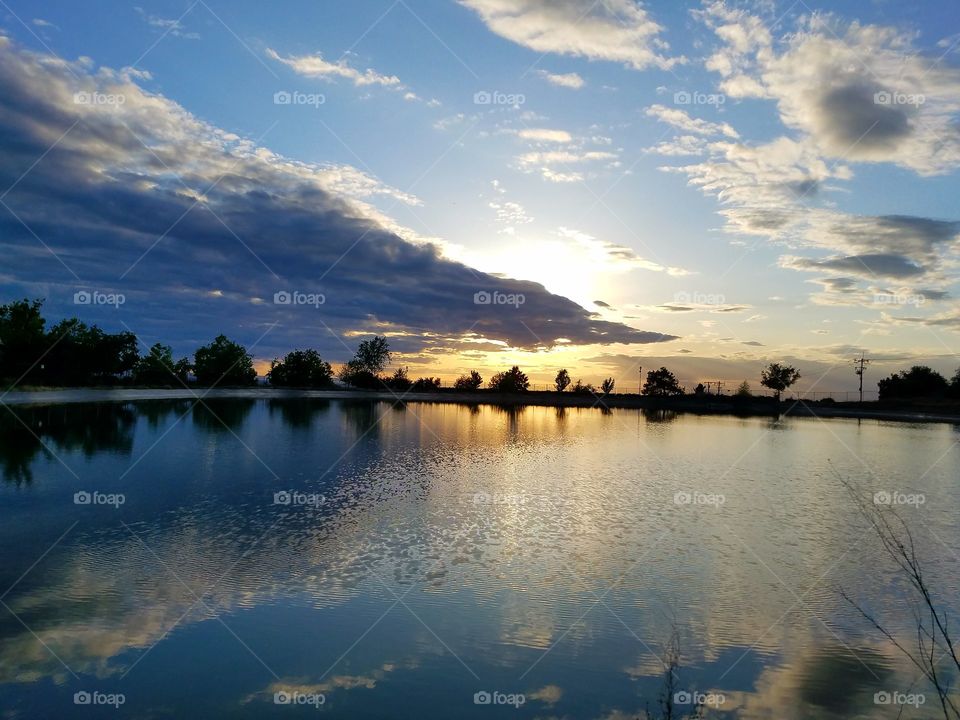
[(282, 558)]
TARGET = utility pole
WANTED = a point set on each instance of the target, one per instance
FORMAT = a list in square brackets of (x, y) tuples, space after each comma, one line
[(640, 384), (720, 385), (859, 364)]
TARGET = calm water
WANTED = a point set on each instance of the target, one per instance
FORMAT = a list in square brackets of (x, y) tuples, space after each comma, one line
[(432, 552)]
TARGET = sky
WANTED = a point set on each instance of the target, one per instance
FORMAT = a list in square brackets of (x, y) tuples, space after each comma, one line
[(598, 185)]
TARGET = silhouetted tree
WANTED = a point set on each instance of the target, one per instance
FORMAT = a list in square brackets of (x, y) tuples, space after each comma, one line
[(399, 381), (182, 369), (300, 368), (370, 359), (23, 339), (562, 380), (372, 355), (743, 389), (224, 362), (919, 381), (473, 381), (955, 385), (607, 385), (512, 380), (156, 367), (82, 354), (699, 389), (582, 388), (661, 383), (779, 377), (426, 384)]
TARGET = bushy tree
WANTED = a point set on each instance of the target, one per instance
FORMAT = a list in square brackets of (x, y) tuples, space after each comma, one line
[(23, 339), (473, 381), (779, 377), (700, 389), (743, 389), (368, 362), (156, 367), (399, 381), (426, 384), (661, 383), (182, 369), (607, 385), (223, 362), (372, 355), (82, 354), (562, 380), (582, 388), (918, 381), (300, 368), (512, 380)]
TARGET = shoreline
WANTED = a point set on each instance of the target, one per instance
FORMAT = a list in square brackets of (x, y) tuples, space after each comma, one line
[(754, 407)]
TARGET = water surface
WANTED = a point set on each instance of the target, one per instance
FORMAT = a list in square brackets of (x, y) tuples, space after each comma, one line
[(430, 552)]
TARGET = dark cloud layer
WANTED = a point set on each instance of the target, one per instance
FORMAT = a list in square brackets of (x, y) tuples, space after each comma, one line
[(199, 229)]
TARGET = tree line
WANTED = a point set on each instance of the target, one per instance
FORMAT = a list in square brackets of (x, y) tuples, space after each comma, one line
[(73, 353)]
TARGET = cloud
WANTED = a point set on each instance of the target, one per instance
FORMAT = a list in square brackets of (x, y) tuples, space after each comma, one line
[(681, 120), (545, 135), (683, 145), (875, 265), (562, 166), (613, 30), (509, 215), (199, 228), (675, 307), (314, 66), (171, 27), (949, 319), (616, 257), (778, 191), (566, 80), (858, 92)]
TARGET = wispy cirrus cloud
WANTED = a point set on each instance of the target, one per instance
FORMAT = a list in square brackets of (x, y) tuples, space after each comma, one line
[(169, 26), (315, 66), (681, 120)]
